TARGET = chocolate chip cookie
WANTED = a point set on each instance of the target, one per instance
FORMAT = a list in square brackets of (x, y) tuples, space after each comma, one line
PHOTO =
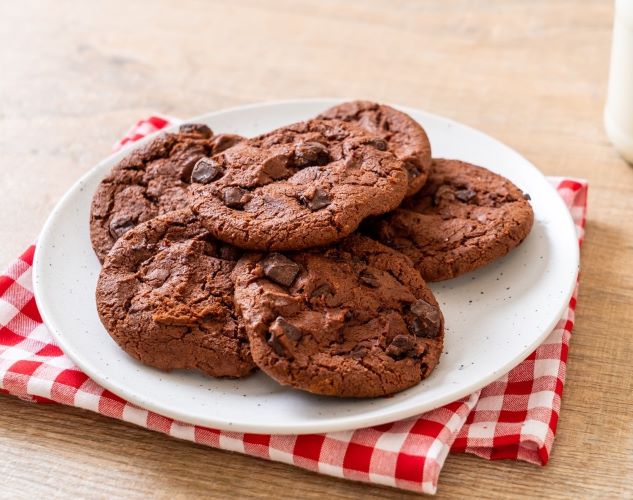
[(404, 136), (300, 186), (351, 320), (464, 218), (150, 181), (165, 295)]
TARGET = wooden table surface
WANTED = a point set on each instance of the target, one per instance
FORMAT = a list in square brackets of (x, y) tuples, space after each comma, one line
[(75, 75)]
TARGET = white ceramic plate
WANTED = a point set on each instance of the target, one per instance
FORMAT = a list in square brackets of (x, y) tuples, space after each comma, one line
[(494, 316)]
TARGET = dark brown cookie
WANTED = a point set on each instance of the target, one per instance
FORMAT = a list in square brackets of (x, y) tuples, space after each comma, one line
[(304, 185), (404, 136), (464, 218), (150, 181), (352, 320), (165, 295)]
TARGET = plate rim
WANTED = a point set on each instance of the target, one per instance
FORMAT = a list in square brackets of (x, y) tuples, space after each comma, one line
[(331, 424)]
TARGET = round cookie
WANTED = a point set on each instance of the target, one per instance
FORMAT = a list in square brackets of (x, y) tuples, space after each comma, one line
[(150, 181), (352, 320), (405, 137), (165, 295), (300, 186), (464, 218)]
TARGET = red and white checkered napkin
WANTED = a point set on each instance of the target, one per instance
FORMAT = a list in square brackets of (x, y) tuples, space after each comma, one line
[(514, 417)]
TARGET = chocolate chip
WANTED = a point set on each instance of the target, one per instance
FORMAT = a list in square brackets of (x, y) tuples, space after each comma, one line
[(188, 163), (401, 346), (276, 167), (234, 197), (225, 141), (277, 345), (280, 269), (349, 315), (526, 196), (205, 170), (121, 225), (380, 144), (316, 199), (427, 320), (281, 327), (367, 278), (311, 153), (196, 128), (465, 195), (322, 290)]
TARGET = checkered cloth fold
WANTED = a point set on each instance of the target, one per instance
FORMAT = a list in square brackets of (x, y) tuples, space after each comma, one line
[(512, 418)]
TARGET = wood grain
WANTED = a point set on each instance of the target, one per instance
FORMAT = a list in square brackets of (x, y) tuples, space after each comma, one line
[(75, 75)]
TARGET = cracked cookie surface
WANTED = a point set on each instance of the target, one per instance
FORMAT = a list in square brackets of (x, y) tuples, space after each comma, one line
[(351, 320), (463, 218), (150, 181), (165, 295), (303, 185), (405, 137)]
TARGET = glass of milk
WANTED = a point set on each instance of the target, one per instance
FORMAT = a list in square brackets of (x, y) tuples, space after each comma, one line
[(618, 112)]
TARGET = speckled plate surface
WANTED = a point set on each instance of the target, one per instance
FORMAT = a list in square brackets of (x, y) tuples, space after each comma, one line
[(494, 316)]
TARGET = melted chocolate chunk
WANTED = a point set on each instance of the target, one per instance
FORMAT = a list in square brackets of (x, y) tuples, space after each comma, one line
[(317, 199), (282, 327), (121, 225), (276, 167), (465, 195), (426, 322), (196, 128), (188, 163), (401, 346), (280, 269), (277, 345), (234, 197), (311, 153), (205, 170)]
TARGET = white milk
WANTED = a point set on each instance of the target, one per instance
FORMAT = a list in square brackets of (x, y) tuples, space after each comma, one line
[(618, 113)]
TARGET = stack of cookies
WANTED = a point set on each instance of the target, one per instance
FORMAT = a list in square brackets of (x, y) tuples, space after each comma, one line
[(303, 252)]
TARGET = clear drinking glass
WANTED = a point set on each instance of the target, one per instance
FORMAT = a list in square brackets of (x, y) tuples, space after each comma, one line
[(618, 112)]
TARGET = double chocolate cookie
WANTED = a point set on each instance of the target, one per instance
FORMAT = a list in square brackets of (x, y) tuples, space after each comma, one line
[(351, 320), (300, 186), (165, 295), (463, 218), (150, 181), (404, 136)]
